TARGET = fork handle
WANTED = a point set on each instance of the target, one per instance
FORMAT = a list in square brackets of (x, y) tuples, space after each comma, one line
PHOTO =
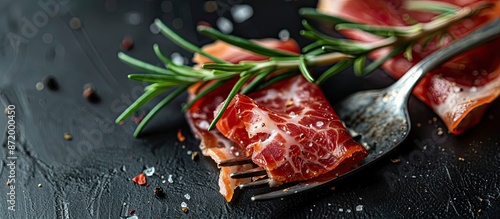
[(405, 84)]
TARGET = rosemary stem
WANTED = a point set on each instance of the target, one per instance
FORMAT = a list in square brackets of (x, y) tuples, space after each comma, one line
[(328, 58), (442, 23), (445, 22), (429, 28), (313, 61)]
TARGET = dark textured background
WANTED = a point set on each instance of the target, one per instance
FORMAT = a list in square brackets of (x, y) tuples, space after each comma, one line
[(89, 176)]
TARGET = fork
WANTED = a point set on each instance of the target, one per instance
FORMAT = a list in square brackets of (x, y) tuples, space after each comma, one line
[(379, 118)]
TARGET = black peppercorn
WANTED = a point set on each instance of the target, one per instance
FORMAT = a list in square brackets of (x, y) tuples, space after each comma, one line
[(50, 82), (158, 191)]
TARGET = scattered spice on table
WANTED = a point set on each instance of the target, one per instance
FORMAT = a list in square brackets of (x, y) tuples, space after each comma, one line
[(140, 179), (127, 43), (184, 207), (67, 136), (149, 171), (50, 82), (194, 156), (158, 191), (180, 136), (440, 131), (39, 86), (75, 23), (89, 92), (396, 160), (137, 120), (359, 208)]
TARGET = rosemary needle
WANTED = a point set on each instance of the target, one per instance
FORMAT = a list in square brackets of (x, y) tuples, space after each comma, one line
[(182, 42), (157, 108), (239, 84)]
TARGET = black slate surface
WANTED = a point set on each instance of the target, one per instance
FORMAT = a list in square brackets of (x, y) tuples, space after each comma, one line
[(441, 176)]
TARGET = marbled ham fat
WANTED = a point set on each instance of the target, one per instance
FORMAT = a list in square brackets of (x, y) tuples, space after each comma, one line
[(199, 116), (291, 131)]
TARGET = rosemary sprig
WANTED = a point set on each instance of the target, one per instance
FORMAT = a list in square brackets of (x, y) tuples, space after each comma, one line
[(325, 50)]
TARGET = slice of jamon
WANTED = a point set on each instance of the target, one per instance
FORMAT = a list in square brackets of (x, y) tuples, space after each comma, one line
[(213, 144), (200, 114), (291, 131), (460, 90)]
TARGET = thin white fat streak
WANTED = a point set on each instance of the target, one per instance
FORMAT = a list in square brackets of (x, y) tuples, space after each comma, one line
[(271, 127), (296, 95), (458, 99), (270, 95), (273, 94)]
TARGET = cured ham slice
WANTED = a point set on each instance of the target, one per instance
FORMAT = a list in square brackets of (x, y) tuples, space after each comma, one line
[(213, 144), (199, 116), (460, 90), (291, 131)]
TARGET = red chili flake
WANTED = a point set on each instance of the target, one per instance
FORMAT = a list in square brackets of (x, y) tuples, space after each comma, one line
[(204, 23), (89, 92), (140, 179), (137, 120), (127, 43), (180, 136), (132, 211)]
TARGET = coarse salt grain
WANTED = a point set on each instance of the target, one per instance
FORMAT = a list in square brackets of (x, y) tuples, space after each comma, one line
[(149, 171), (359, 208)]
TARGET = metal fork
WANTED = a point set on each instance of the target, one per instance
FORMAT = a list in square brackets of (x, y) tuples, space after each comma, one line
[(379, 116)]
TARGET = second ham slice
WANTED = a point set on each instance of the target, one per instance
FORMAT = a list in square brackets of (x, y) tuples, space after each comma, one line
[(291, 131)]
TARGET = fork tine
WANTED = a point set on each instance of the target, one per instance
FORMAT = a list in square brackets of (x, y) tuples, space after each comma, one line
[(300, 187), (259, 171), (257, 183), (235, 162)]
